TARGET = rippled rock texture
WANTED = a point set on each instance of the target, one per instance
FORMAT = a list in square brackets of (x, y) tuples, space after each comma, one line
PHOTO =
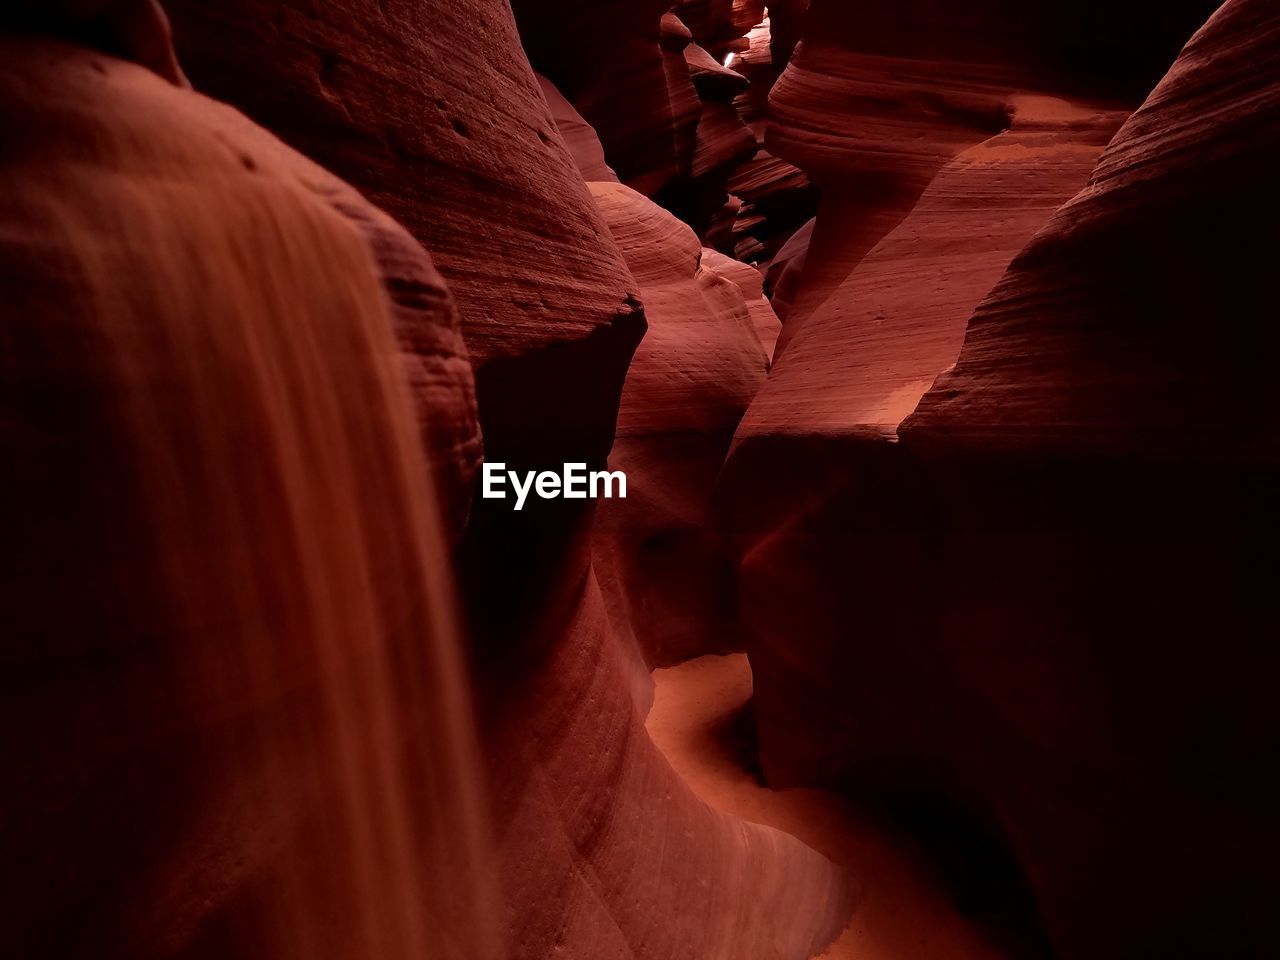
[(978, 464), (880, 95), (433, 113), (237, 723), (1021, 593), (672, 577)]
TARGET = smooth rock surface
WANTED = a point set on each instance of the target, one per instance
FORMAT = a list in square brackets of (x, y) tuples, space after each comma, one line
[(225, 578), (432, 111), (881, 95), (1037, 616), (668, 575)]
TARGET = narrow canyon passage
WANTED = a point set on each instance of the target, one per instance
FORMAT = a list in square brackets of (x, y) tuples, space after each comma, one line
[(639, 479), (701, 722)]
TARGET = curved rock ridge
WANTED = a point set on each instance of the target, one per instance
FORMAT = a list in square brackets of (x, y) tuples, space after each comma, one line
[(436, 113), (872, 132), (226, 578), (1066, 354), (622, 66), (785, 273), (751, 284), (579, 136), (881, 95), (668, 576), (864, 359), (432, 111), (1039, 612)]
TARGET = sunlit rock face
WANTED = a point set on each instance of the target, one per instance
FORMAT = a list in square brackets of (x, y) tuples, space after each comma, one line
[(879, 96), (236, 718), (669, 576), (431, 111), (435, 113), (662, 92), (1024, 590)]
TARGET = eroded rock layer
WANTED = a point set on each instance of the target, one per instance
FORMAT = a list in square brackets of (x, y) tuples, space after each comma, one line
[(1034, 603), (431, 111), (436, 114), (669, 577), (236, 719), (862, 361), (881, 95)]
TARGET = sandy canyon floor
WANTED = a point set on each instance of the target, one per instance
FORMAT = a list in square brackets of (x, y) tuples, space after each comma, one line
[(700, 720)]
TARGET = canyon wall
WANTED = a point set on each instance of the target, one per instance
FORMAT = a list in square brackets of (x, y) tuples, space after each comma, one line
[(225, 593), (982, 489), (433, 113), (1019, 596), (670, 573), (880, 95)]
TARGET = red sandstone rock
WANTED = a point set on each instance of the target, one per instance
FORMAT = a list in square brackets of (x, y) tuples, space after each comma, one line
[(667, 575), (434, 111), (786, 270), (862, 361), (716, 24), (224, 586), (881, 95), (1037, 600), (579, 136), (662, 104), (431, 111), (777, 199), (751, 285), (621, 66)]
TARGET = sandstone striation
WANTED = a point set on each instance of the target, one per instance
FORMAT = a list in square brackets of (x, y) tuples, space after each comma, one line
[(881, 95), (751, 284), (1037, 612), (862, 360), (457, 140), (668, 575), (432, 112), (225, 580)]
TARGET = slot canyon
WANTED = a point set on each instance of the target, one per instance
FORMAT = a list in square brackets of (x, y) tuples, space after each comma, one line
[(935, 344)]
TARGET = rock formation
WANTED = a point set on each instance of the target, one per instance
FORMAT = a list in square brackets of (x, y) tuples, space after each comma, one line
[(977, 464), (669, 576), (751, 284), (881, 95), (1024, 597), (427, 110), (601, 851), (667, 100), (225, 590)]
